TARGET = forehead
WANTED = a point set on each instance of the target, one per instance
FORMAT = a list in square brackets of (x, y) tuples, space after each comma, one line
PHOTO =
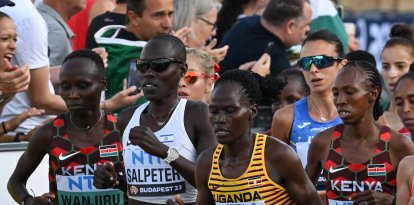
[(79, 67), (397, 53), (318, 47), (6, 22), (348, 77), (403, 87), (152, 6), (227, 93), (157, 49)]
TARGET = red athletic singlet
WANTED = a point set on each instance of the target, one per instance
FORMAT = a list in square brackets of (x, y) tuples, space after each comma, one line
[(345, 179), (71, 168)]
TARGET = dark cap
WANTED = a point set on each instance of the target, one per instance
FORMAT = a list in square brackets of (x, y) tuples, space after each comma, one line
[(6, 3)]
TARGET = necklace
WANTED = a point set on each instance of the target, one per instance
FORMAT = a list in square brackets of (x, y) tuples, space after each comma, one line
[(322, 118), (169, 113), (87, 128)]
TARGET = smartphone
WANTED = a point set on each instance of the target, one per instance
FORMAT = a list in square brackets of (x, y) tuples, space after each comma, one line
[(133, 77), (269, 47)]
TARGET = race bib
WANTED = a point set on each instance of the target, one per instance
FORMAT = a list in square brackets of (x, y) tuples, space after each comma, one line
[(336, 202), (80, 190), (243, 203), (148, 175)]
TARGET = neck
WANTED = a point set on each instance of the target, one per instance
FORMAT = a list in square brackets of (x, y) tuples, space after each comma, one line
[(392, 107), (233, 150), (59, 8), (322, 105), (120, 8), (274, 30), (85, 119), (162, 107), (362, 131)]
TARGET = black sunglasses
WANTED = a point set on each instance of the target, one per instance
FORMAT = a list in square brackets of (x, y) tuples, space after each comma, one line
[(157, 65), (320, 61)]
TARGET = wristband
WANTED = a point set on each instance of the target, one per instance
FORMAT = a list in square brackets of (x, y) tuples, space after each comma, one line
[(4, 127), (16, 137)]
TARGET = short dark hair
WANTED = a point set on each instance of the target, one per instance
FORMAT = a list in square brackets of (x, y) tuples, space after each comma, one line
[(360, 55), (372, 80), (278, 12), (137, 6), (327, 36), (172, 43), (89, 55)]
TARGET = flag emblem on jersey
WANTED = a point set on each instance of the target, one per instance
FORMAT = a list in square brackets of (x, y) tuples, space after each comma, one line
[(108, 150), (254, 182), (376, 170)]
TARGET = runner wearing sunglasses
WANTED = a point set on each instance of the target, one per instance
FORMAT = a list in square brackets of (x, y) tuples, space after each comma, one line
[(297, 124), (162, 137), (198, 81)]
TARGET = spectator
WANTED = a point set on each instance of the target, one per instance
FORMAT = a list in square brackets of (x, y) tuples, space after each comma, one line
[(232, 11), (77, 141), (116, 16), (198, 81), (146, 18), (200, 16), (32, 50), (284, 23), (56, 14)]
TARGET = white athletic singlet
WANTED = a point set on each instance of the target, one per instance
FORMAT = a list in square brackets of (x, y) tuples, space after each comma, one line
[(149, 178)]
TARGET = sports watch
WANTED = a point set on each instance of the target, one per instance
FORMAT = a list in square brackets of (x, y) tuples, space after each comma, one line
[(172, 154)]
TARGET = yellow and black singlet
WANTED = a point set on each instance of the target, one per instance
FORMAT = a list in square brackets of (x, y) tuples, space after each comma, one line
[(253, 187)]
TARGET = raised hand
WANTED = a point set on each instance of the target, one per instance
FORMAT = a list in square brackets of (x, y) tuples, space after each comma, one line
[(218, 54)]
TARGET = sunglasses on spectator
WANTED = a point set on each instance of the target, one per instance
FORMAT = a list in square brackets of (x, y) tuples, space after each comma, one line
[(192, 76), (158, 65), (320, 61)]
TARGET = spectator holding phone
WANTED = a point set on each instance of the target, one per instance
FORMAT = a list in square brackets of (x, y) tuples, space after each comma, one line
[(198, 81)]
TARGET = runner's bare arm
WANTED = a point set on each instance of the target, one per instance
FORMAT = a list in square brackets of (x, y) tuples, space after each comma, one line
[(203, 168), (28, 162), (404, 180), (317, 154), (281, 159), (282, 123)]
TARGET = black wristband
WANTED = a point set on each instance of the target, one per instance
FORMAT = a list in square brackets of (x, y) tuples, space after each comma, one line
[(26, 198), (16, 137), (4, 127)]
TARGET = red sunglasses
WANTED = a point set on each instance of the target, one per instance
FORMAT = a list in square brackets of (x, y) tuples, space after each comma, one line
[(192, 76)]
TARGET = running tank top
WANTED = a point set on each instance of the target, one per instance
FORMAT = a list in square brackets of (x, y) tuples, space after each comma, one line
[(254, 187), (149, 178), (304, 128), (345, 179), (71, 168)]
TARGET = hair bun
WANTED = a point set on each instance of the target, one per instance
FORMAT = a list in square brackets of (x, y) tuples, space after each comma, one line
[(402, 30)]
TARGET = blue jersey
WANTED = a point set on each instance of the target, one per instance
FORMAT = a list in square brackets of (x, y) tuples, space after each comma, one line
[(304, 128)]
